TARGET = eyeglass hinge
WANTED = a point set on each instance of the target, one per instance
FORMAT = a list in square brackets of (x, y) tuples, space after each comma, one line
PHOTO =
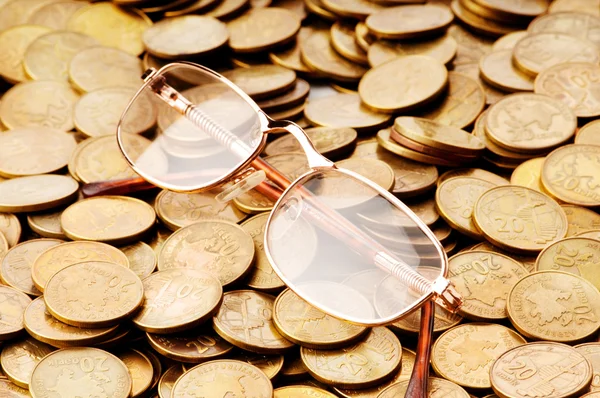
[(446, 295)]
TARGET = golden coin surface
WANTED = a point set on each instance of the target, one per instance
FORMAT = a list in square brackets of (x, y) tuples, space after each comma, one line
[(576, 24), (98, 112), (373, 169), (594, 234), (9, 389), (271, 365), (294, 97), (465, 354), (81, 371), (140, 370), (575, 185), (220, 248), (14, 42), (290, 57), (302, 392), (455, 200), (358, 9), (15, 13), (362, 365), (10, 228), (471, 47), (227, 9), (478, 24), (56, 15), (583, 6), (343, 41), (385, 89), (3, 247), (253, 202), (168, 379), (580, 219), (111, 219), (12, 308), (217, 379), (263, 80), (529, 174), (142, 259), (437, 388), (111, 26), (16, 265), (508, 42), (190, 348), (530, 123), (540, 51), (309, 327), (93, 294), (574, 84), (55, 258), (409, 21), (492, 95), (344, 110), (591, 352), (476, 173), (100, 67), (39, 104), (40, 324), (554, 305), (589, 134), (328, 141), (245, 319), (441, 48), (571, 377), (498, 70), (177, 299), (262, 29), (19, 357), (35, 193)]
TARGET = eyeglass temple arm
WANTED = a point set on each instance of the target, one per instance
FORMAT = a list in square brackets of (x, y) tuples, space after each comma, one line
[(419, 379)]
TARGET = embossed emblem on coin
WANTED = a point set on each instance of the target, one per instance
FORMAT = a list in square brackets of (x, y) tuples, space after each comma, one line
[(192, 348), (12, 308), (18, 359)]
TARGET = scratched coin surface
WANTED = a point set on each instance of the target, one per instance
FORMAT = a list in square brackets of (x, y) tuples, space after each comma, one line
[(465, 354), (554, 305), (12, 307), (441, 48), (437, 388), (591, 352), (220, 248), (19, 357), (202, 346), (363, 365), (262, 29), (409, 21), (543, 369), (81, 371), (36, 193), (177, 300), (140, 370), (14, 42)]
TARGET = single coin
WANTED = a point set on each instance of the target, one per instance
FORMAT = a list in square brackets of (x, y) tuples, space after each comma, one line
[(142, 259), (220, 248), (81, 371), (140, 370), (58, 257), (35, 193), (484, 279), (257, 333), (93, 294), (262, 29), (508, 42), (193, 347), (572, 372), (12, 308), (126, 26), (578, 24), (437, 388), (410, 21), (290, 57), (554, 305), (476, 173), (330, 142), (583, 6), (465, 354), (111, 219), (344, 110), (262, 81), (478, 24), (530, 123), (216, 379), (56, 15), (455, 200), (591, 352), (359, 9), (343, 40), (529, 174), (99, 67), (14, 42), (374, 360), (580, 220), (271, 365), (589, 134), (385, 89), (494, 151), (375, 170), (593, 234), (10, 390), (253, 202), (492, 95), (19, 357), (498, 70), (441, 48), (293, 97), (40, 324), (168, 379), (577, 184), (17, 263), (10, 228), (39, 104), (471, 46), (293, 367), (301, 392)]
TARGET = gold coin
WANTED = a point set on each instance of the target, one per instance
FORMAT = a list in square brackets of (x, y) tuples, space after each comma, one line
[(262, 81), (492, 95), (411, 323), (441, 48), (177, 299), (53, 259), (363, 38), (330, 142), (46, 224), (553, 305), (11, 390), (591, 395), (262, 29), (588, 134), (498, 70), (317, 52), (35, 193), (142, 259), (475, 173), (365, 364), (100, 67), (530, 123), (10, 228), (40, 324), (583, 6), (375, 170), (111, 26), (471, 47), (56, 15), (484, 279), (494, 151), (16, 265), (532, 359), (465, 354), (344, 110), (195, 347), (12, 307), (111, 219), (158, 239), (168, 379), (343, 41), (271, 365), (14, 12), (3, 248), (216, 379), (81, 371), (410, 21), (227, 9), (39, 104), (251, 308), (576, 184), (359, 9), (437, 388), (512, 10), (578, 24), (478, 24), (93, 294), (529, 174), (455, 200), (527, 261), (508, 42), (14, 42), (292, 98), (302, 392), (316, 7), (173, 9), (580, 219), (253, 202), (591, 352), (98, 112), (421, 81), (18, 359), (290, 57), (288, 114), (593, 234), (140, 369), (293, 367)]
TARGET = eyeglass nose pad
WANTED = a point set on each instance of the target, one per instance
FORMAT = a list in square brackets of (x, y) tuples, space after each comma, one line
[(245, 184)]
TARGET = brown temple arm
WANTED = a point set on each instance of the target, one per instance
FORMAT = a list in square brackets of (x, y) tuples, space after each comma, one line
[(419, 379)]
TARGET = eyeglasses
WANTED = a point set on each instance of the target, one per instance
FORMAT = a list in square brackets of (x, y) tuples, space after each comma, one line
[(338, 240)]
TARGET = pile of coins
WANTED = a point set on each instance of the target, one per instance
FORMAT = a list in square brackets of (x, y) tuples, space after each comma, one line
[(478, 114)]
